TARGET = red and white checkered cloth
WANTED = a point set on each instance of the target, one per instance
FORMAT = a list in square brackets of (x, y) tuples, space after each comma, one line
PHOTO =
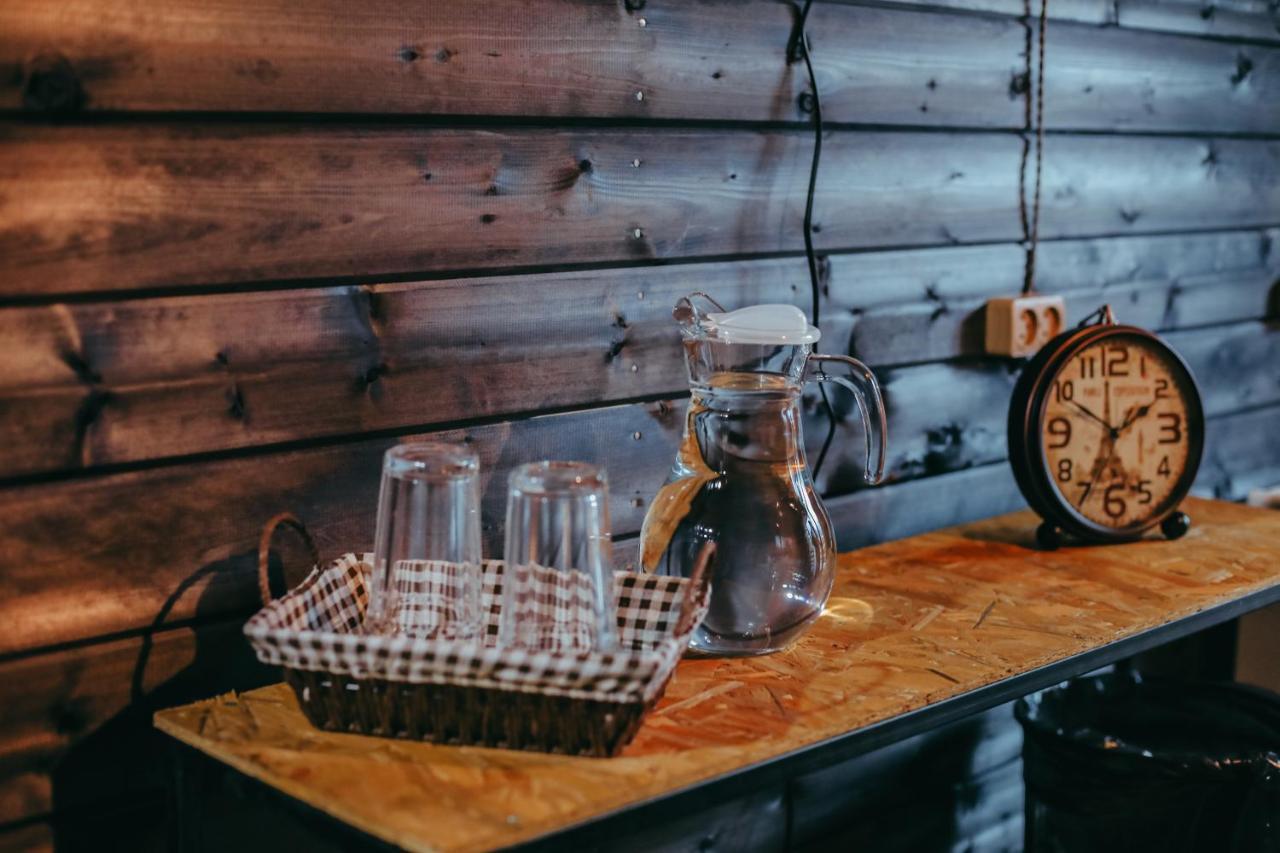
[(317, 627)]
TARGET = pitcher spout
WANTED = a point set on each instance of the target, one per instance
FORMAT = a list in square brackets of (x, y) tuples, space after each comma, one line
[(691, 314)]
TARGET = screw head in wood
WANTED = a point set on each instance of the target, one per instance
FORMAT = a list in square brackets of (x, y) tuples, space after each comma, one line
[(806, 102)]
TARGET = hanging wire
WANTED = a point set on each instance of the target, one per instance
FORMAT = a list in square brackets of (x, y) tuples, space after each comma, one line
[(1031, 229), (801, 49)]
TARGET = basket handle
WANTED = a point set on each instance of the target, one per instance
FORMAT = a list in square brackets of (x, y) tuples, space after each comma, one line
[(284, 519), (698, 582)]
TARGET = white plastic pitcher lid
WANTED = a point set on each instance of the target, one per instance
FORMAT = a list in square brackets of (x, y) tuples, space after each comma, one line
[(762, 324)]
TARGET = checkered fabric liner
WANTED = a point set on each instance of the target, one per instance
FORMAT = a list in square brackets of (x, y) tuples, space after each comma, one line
[(317, 627)]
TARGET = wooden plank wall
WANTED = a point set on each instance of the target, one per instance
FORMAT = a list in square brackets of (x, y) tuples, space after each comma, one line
[(246, 246)]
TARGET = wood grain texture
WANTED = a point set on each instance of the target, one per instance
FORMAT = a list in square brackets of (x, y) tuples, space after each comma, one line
[(909, 623), (89, 384), (695, 60), (946, 416), (115, 207), (181, 539), (927, 304), (74, 722), (1241, 454), (139, 549), (1255, 20), (871, 516), (176, 543), (1143, 82), (1247, 19)]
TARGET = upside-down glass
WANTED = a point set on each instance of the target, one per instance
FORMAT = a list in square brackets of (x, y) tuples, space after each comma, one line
[(426, 565), (557, 589)]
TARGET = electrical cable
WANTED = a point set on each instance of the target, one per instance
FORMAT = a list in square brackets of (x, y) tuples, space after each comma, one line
[(801, 49), (1031, 230)]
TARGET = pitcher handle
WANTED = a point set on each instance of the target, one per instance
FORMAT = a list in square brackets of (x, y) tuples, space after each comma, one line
[(861, 382)]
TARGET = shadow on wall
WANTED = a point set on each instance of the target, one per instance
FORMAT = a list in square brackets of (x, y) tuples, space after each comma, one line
[(122, 767)]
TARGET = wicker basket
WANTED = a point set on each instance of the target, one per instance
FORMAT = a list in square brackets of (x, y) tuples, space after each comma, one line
[(472, 692)]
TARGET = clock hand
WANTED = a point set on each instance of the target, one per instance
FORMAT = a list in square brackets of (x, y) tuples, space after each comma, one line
[(1137, 414), (1087, 413), (1106, 401)]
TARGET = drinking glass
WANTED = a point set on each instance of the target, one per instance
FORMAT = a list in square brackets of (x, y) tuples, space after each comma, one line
[(557, 589), (426, 563)]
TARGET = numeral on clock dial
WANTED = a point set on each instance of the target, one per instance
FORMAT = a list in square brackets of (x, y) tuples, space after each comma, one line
[(1059, 432), (1115, 364), (1170, 427)]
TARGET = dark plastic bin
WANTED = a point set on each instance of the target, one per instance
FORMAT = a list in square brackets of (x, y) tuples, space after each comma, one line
[(1113, 762)]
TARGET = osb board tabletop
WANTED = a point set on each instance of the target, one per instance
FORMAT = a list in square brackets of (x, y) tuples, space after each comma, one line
[(911, 625)]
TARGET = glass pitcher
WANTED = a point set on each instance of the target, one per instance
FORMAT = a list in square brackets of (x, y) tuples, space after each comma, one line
[(740, 479)]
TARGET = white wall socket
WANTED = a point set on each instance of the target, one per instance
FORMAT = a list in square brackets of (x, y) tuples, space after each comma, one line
[(1017, 326)]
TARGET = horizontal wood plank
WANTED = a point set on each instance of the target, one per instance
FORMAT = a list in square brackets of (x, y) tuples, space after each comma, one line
[(924, 305), (109, 208), (871, 516), (88, 384), (1254, 20), (693, 60), (1144, 82), (1241, 454)]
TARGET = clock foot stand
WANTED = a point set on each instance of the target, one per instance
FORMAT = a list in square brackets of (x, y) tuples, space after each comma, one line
[(1175, 525), (1048, 537)]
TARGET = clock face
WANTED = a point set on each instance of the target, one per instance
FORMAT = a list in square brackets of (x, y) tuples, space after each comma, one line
[(1116, 430)]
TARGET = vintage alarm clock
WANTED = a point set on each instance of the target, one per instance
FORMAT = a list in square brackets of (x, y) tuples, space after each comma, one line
[(1106, 431)]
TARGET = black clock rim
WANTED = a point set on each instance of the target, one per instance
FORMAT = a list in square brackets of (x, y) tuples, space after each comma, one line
[(1025, 444)]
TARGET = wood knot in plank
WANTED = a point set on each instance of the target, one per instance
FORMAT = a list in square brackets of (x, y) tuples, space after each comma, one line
[(236, 407), (1018, 85), (1244, 67), (51, 85), (372, 375), (87, 413), (83, 370)]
